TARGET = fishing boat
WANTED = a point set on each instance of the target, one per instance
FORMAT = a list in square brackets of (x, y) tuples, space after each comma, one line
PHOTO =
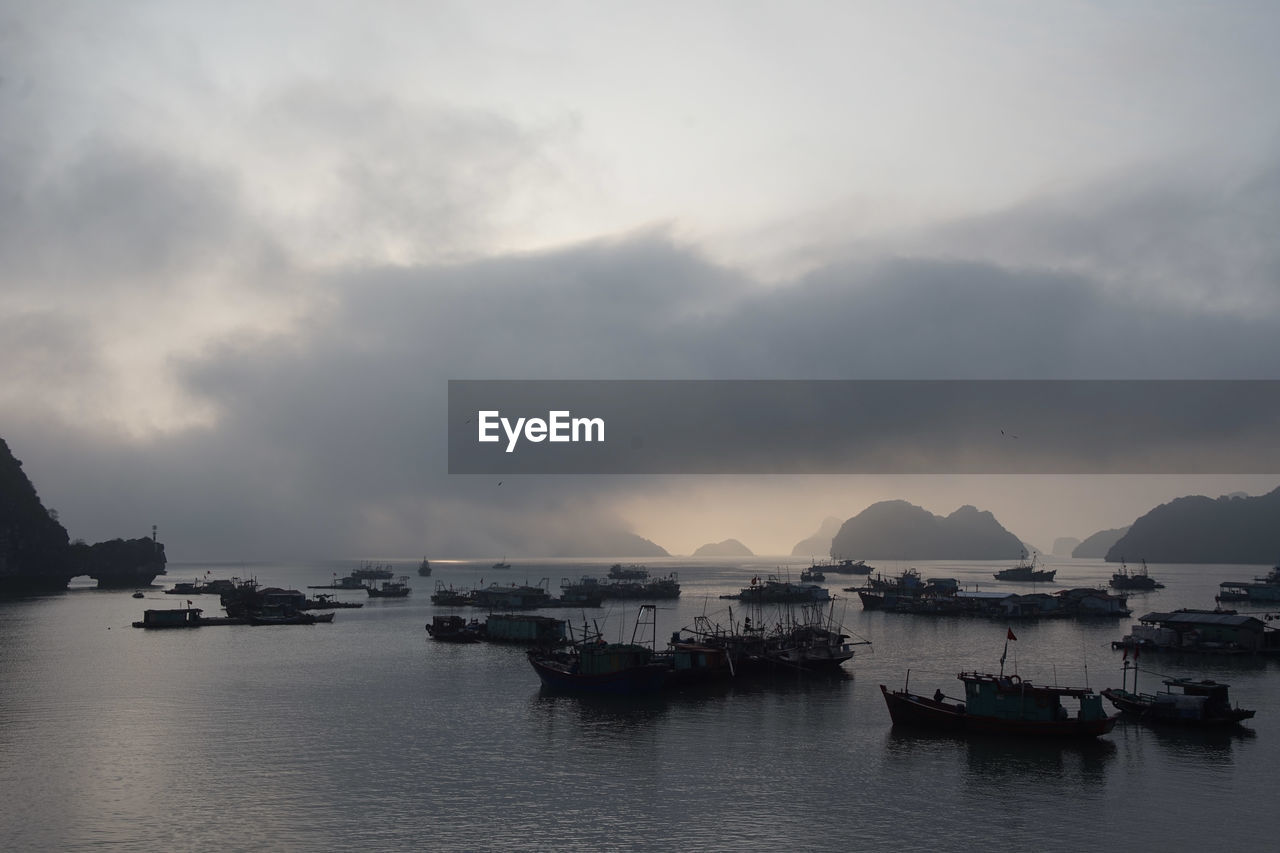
[(424, 568), (1002, 705), (455, 629), (1135, 580), (591, 665), (650, 587), (501, 564), (449, 597), (350, 582), (620, 572), (328, 602), (1026, 571), (390, 589), (772, 590), (1183, 702), (812, 575), (373, 572), (584, 592), (812, 640)]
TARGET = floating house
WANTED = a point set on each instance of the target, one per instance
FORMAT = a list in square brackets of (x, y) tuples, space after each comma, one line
[(1212, 631)]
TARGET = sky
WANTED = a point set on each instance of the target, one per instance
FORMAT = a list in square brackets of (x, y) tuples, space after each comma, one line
[(246, 245)]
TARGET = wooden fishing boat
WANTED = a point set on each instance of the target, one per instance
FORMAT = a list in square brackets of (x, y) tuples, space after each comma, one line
[(590, 665), (1026, 571), (1184, 702), (1002, 705), (390, 589), (455, 629)]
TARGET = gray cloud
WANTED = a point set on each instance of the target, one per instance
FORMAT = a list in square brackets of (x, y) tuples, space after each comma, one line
[(330, 439)]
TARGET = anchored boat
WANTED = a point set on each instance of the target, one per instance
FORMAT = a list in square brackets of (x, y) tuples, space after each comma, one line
[(1184, 702), (1003, 705)]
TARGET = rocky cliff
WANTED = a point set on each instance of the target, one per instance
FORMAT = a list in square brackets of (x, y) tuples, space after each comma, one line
[(34, 553), (1098, 544), (1198, 529), (819, 544)]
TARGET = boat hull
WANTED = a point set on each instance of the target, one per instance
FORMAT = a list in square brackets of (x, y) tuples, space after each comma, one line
[(1147, 711), (909, 709), (556, 676)]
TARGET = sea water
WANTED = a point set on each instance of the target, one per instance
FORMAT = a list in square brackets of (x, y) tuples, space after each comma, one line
[(365, 734)]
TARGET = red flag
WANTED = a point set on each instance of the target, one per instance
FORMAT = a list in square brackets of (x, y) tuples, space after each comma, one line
[(1011, 637)]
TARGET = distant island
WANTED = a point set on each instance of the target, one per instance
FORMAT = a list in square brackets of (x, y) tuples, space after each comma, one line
[(1097, 545), (1198, 529), (819, 542), (1064, 545), (727, 548), (594, 543), (897, 530), (36, 556)]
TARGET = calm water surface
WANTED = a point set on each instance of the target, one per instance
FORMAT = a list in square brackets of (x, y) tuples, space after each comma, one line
[(364, 733)]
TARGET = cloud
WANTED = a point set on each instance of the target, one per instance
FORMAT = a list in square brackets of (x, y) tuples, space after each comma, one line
[(329, 436)]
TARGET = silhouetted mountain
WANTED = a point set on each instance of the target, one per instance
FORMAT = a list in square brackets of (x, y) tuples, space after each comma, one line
[(819, 543), (1205, 530), (592, 542), (34, 553), (1098, 544), (1064, 545), (727, 548), (897, 530), (119, 562)]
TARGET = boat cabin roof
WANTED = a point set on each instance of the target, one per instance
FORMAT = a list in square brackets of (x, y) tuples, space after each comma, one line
[(1015, 684), (1201, 617), (1197, 688)]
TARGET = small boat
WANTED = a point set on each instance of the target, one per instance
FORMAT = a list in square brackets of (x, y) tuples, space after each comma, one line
[(390, 589), (1002, 705), (1135, 580), (455, 629), (424, 568), (812, 575), (328, 602), (137, 593), (183, 617), (501, 564), (1202, 704), (1026, 571)]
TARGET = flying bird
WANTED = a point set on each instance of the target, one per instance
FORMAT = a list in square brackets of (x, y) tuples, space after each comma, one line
[(1008, 434)]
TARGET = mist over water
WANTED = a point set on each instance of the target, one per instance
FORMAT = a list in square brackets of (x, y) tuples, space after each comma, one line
[(365, 733)]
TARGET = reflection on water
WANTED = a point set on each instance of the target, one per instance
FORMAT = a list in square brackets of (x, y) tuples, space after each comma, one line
[(365, 733), (1199, 746)]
